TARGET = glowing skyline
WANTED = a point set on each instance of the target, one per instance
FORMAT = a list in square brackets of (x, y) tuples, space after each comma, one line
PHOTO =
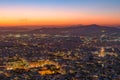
[(59, 12)]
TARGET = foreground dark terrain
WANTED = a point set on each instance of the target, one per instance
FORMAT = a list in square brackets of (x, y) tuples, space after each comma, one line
[(73, 53)]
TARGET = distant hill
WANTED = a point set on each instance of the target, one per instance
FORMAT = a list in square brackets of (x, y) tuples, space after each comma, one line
[(76, 30), (79, 30), (12, 29)]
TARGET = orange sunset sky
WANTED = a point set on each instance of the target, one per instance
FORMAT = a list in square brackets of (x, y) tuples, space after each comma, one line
[(59, 12)]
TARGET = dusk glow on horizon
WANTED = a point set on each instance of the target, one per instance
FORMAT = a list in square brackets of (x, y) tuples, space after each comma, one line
[(59, 12)]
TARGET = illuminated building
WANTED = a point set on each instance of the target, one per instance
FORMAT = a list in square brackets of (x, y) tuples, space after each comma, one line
[(102, 52)]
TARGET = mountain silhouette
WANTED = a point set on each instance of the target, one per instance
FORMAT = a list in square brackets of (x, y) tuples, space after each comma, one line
[(79, 30)]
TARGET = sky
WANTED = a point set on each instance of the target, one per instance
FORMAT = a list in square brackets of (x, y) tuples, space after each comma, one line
[(59, 12)]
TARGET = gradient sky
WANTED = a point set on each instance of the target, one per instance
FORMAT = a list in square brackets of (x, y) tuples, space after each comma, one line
[(59, 12)]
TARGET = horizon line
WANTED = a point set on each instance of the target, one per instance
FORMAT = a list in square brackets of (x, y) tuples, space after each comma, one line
[(56, 26)]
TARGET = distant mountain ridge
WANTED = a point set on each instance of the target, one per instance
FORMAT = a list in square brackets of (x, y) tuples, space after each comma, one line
[(6, 30), (12, 28), (79, 30), (75, 30)]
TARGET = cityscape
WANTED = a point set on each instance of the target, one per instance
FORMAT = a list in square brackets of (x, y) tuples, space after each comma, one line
[(59, 39), (32, 55)]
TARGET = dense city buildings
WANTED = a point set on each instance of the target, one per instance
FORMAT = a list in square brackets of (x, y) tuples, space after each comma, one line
[(38, 56)]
